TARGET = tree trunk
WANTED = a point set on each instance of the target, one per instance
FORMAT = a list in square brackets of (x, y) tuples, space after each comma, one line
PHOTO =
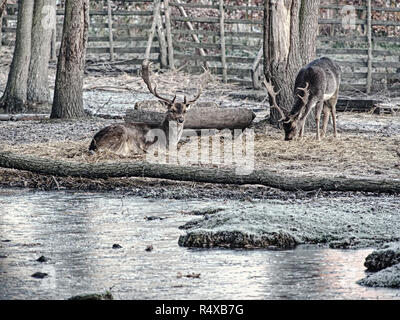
[(43, 20), (14, 97), (290, 31), (194, 173), (68, 96), (2, 11)]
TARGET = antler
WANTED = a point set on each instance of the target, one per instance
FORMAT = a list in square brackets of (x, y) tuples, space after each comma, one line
[(194, 99), (273, 94), (205, 78), (306, 95), (146, 79)]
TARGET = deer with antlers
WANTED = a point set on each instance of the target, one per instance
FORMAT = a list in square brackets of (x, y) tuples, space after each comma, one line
[(317, 84), (135, 137)]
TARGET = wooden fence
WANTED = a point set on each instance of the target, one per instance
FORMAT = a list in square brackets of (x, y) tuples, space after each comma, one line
[(227, 38)]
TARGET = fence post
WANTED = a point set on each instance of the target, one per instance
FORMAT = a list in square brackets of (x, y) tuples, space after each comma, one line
[(161, 40), (369, 76), (222, 36), (110, 31), (167, 14), (194, 36), (255, 69), (156, 10)]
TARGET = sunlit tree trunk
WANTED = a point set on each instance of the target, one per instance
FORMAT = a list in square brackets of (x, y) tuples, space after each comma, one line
[(43, 20), (68, 96), (290, 32), (14, 97)]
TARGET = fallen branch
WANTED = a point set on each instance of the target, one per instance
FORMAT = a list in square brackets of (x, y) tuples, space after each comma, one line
[(194, 173)]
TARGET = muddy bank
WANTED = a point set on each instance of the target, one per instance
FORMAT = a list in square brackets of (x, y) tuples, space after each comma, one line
[(238, 239), (384, 264), (164, 189), (386, 256), (388, 277), (357, 222)]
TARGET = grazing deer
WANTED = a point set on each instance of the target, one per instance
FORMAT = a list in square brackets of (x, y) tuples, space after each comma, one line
[(136, 137), (317, 84)]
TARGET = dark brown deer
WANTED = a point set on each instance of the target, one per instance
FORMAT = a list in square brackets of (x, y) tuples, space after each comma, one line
[(317, 85), (135, 137)]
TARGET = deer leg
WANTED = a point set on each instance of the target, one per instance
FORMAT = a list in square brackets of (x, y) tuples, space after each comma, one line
[(302, 121), (318, 112), (333, 112), (302, 124), (326, 119), (332, 104)]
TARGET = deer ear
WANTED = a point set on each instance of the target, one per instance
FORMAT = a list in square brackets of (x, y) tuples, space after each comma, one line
[(188, 106)]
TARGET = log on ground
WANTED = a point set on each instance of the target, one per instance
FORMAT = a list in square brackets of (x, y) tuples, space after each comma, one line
[(195, 173), (200, 118), (23, 117)]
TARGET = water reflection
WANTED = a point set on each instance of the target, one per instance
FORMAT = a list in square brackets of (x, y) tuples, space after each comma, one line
[(77, 231)]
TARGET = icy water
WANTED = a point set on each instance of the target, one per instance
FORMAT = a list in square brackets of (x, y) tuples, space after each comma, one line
[(77, 231)]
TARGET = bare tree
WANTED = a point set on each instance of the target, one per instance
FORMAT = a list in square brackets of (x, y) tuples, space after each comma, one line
[(43, 20), (68, 96), (27, 83), (14, 97), (290, 31)]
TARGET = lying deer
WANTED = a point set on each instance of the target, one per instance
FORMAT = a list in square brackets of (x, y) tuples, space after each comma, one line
[(136, 137), (317, 84)]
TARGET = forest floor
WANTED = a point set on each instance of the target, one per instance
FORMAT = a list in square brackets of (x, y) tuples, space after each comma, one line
[(368, 145)]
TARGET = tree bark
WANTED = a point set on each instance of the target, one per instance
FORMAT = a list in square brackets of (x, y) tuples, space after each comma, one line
[(43, 20), (194, 173), (3, 4), (200, 118), (68, 96), (14, 97), (290, 31)]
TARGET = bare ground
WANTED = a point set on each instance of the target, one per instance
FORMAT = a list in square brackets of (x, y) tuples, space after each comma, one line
[(355, 153), (368, 145)]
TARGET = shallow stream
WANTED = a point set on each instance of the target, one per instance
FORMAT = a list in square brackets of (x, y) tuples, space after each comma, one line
[(77, 231)]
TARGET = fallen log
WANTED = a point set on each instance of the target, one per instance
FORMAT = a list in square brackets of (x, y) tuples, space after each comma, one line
[(194, 173), (23, 117), (200, 118), (356, 104)]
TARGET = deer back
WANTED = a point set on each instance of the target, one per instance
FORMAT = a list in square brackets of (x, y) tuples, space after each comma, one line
[(124, 139), (323, 77)]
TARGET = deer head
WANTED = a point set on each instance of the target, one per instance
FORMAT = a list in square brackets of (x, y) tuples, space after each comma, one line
[(175, 110), (290, 122)]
